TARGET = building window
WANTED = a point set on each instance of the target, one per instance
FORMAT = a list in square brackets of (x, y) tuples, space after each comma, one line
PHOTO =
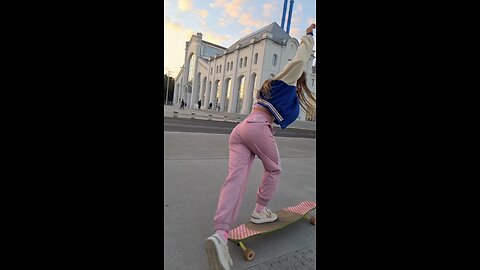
[(229, 93), (231, 64), (228, 65), (220, 68), (241, 95), (255, 59), (211, 71), (245, 62), (191, 64), (313, 82), (274, 62), (241, 61)]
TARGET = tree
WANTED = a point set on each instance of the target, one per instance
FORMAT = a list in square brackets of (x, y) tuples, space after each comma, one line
[(171, 87)]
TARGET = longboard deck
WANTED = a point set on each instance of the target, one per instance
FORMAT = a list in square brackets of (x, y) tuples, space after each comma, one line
[(285, 217)]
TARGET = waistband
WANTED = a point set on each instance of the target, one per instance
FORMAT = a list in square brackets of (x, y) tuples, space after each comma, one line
[(259, 112)]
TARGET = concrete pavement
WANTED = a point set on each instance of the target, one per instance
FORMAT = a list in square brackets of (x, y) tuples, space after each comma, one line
[(196, 165), (221, 127), (168, 111)]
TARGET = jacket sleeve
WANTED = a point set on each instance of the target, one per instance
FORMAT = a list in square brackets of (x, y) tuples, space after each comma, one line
[(294, 68)]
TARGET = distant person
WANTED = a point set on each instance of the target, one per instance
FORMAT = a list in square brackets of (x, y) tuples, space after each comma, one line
[(278, 101), (210, 106), (182, 105), (199, 104)]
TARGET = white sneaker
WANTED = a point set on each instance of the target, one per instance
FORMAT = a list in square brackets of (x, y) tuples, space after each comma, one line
[(265, 216), (217, 252)]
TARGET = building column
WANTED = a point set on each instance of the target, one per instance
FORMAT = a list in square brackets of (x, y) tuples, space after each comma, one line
[(247, 100), (202, 92), (185, 94), (232, 107), (175, 95), (207, 94), (213, 95), (195, 86), (223, 94)]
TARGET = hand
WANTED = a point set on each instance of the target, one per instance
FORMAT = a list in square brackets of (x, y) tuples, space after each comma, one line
[(310, 28)]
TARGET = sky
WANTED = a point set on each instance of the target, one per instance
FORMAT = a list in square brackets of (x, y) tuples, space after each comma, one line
[(223, 22)]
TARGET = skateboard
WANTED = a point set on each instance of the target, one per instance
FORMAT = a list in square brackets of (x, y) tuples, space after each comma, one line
[(286, 217)]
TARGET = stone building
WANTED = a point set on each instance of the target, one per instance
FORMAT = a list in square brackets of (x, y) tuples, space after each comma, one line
[(230, 77)]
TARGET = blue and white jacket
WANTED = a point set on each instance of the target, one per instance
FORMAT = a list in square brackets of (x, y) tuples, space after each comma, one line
[(283, 103)]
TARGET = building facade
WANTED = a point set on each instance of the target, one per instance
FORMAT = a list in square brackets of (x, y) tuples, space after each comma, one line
[(230, 77)]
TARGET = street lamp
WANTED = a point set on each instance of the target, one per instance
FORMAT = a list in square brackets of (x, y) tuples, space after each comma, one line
[(168, 80)]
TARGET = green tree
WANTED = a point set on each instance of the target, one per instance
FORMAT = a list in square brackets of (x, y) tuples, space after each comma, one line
[(171, 87)]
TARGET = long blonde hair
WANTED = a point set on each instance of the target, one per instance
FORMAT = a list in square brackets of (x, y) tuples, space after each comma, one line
[(305, 96)]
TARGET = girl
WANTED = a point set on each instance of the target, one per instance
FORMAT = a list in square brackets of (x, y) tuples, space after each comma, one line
[(279, 101)]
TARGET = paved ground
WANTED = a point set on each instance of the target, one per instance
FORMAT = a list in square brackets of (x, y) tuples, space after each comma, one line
[(169, 111), (221, 127), (195, 168)]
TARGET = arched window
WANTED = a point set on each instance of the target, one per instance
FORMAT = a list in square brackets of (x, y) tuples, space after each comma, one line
[(190, 68), (241, 93), (274, 62), (217, 92), (245, 62), (228, 90), (241, 61), (252, 87), (255, 59)]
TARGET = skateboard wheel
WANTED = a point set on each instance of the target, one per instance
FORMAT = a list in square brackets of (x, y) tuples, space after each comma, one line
[(249, 254), (313, 220)]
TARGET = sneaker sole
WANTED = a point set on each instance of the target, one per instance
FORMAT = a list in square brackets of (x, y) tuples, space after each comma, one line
[(260, 222), (213, 260)]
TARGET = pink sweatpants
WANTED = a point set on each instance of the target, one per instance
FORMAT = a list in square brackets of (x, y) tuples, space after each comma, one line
[(253, 136)]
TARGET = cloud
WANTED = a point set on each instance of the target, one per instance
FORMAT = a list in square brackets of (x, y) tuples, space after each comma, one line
[(246, 31), (175, 36), (232, 8), (223, 22), (296, 32), (219, 39), (298, 7), (185, 5), (173, 25), (247, 20), (218, 3), (268, 9), (203, 13)]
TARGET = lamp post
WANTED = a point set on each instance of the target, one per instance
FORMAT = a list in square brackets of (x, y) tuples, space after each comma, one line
[(168, 80)]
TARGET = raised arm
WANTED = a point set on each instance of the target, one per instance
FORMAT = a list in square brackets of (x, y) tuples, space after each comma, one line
[(294, 68)]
